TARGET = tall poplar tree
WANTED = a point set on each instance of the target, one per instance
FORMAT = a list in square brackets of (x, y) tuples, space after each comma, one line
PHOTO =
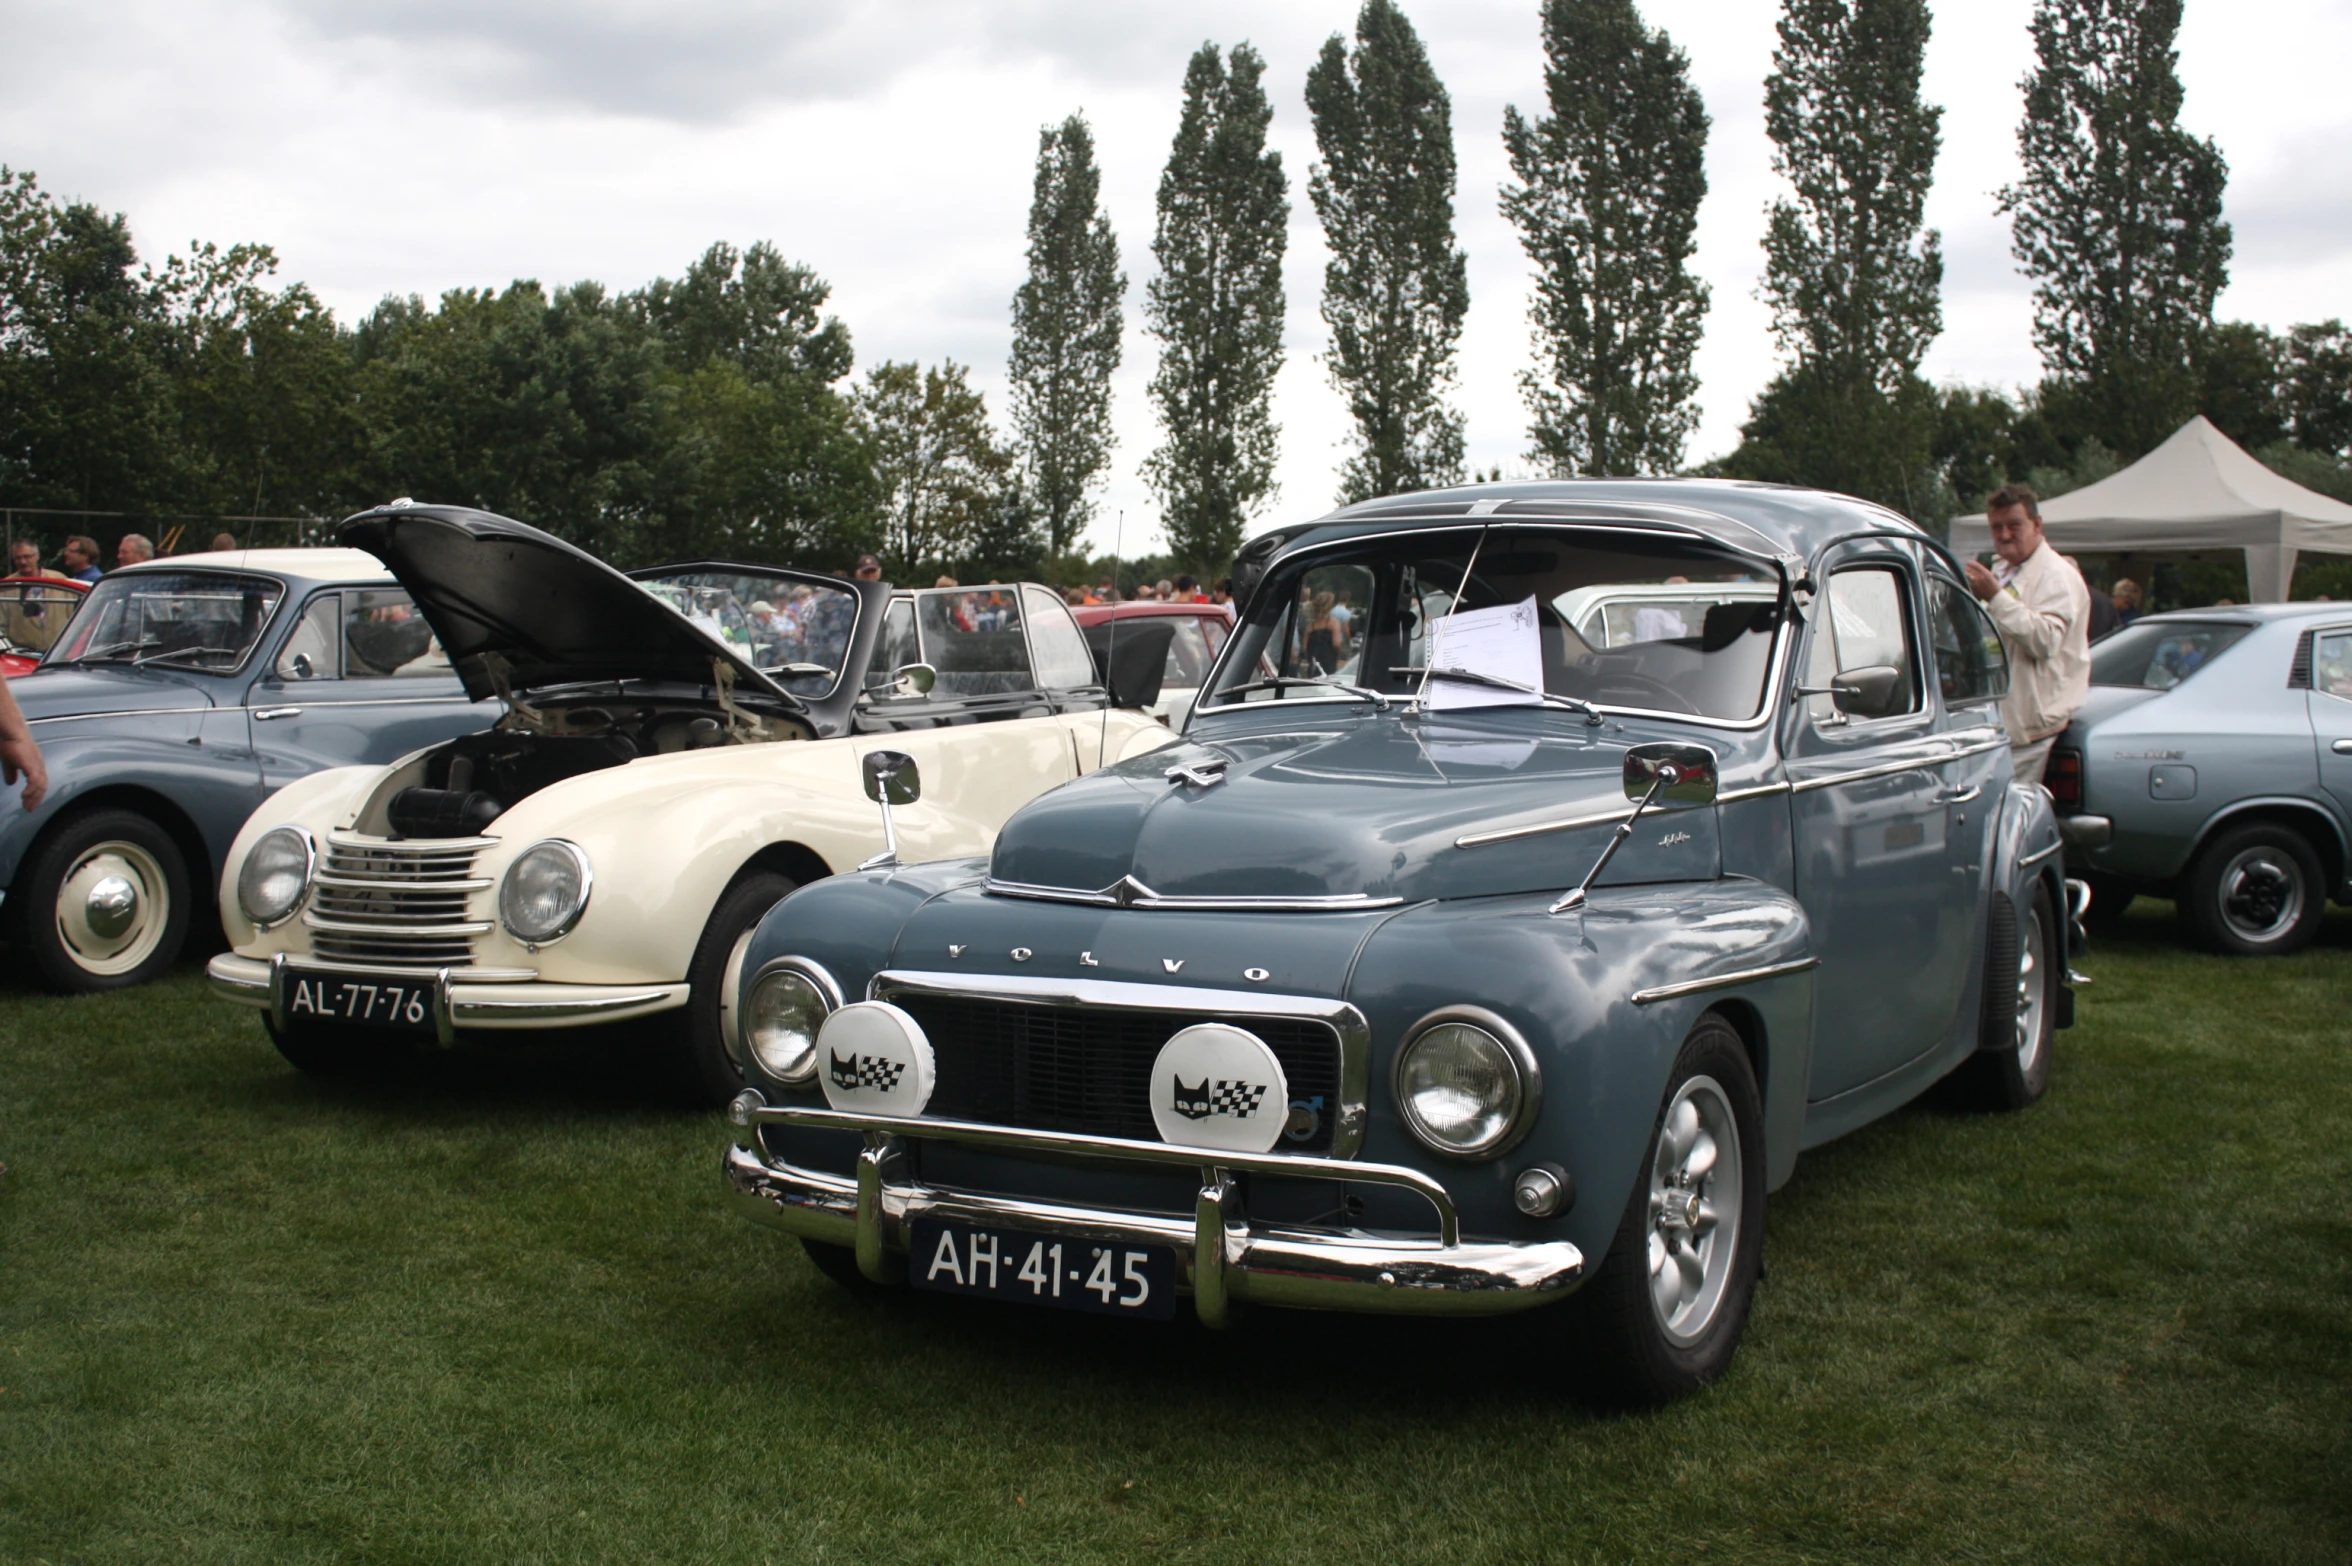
[(1606, 207), (2117, 218), (1395, 289), (1216, 307), (1066, 325), (1852, 279)]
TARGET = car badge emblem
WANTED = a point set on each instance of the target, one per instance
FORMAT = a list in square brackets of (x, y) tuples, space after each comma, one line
[(1174, 964), (1206, 774), (1256, 975), (955, 949), (1021, 954), (1086, 959), (1672, 838)]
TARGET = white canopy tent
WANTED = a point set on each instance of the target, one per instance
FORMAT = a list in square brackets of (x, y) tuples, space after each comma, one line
[(2198, 491)]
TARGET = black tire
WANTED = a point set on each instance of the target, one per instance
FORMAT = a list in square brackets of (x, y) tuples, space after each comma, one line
[(1637, 1359), (2255, 891), (75, 944), (332, 1051), (2018, 1014), (839, 1263), (702, 1056), (2111, 899)]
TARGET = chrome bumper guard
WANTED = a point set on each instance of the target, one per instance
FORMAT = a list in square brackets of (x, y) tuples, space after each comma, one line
[(461, 998), (2087, 831), (1220, 1255)]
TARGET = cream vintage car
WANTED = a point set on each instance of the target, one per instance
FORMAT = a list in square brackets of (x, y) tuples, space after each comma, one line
[(677, 751)]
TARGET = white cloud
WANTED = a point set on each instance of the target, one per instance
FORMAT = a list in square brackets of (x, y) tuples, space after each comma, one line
[(417, 145)]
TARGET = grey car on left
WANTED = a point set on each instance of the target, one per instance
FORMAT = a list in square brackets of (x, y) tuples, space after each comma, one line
[(184, 693)]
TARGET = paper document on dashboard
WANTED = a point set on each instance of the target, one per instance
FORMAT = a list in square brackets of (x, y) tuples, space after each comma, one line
[(1501, 642)]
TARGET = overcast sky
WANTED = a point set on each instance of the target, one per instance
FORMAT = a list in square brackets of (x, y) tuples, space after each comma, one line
[(409, 146)]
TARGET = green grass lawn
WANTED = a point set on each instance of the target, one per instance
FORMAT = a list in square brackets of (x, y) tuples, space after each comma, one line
[(477, 1315)]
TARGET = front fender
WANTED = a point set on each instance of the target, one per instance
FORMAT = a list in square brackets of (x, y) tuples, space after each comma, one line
[(214, 790), (1576, 988), (2027, 847)]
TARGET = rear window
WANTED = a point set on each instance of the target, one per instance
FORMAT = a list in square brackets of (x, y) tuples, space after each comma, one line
[(2157, 655)]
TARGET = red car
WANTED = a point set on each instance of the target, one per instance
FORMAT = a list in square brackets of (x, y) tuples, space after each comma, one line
[(34, 611), (1201, 630)]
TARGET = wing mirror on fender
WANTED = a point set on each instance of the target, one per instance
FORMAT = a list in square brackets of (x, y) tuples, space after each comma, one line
[(1684, 774), (890, 778)]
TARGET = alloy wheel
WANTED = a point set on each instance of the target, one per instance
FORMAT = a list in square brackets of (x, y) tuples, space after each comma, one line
[(2261, 894), (1694, 1209)]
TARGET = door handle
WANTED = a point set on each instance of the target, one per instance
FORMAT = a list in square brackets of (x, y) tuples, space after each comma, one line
[(2342, 747), (1961, 798), (264, 714)]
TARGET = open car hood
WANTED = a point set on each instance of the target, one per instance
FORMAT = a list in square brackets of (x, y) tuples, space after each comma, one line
[(492, 587)]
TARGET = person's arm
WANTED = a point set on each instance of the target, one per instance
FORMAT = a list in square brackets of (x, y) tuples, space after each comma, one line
[(2038, 628), (19, 756)]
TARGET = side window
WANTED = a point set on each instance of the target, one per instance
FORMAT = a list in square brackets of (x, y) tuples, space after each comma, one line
[(309, 654), (1188, 654), (1861, 625), (1970, 666), (384, 637), (896, 648), (2331, 664), (1063, 663)]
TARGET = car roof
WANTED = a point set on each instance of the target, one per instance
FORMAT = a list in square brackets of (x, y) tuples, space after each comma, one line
[(295, 565), (2254, 614), (1758, 519), (1095, 614)]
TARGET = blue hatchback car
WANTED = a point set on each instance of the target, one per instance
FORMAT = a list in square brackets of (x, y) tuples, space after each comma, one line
[(183, 693)]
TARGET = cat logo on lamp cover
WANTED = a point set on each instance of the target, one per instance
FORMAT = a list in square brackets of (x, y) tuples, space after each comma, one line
[(1210, 1086)]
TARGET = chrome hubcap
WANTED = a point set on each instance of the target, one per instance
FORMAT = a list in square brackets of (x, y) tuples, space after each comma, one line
[(112, 907), (1695, 1194), (2261, 894), (2032, 953)]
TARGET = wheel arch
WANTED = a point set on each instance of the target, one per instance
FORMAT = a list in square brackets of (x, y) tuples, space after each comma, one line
[(176, 823), (798, 861), (2317, 825)]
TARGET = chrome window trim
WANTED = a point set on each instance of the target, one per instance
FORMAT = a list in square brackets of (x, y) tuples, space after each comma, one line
[(828, 987), (1349, 1024), (1522, 1060), (1724, 981), (1127, 892)]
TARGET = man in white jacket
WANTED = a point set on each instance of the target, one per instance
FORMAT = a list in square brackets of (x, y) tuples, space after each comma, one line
[(2043, 609)]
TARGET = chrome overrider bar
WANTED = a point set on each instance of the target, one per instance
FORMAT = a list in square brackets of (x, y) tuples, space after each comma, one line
[(1219, 1254)]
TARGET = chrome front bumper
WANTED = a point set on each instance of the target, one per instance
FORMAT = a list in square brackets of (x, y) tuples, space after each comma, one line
[(1220, 1255), (459, 1000)]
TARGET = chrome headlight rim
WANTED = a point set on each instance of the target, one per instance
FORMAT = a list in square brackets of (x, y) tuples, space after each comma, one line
[(294, 904), (1515, 1051), (828, 991), (564, 927)]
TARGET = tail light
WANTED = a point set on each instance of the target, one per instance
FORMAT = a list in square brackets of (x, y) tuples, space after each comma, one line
[(2063, 778)]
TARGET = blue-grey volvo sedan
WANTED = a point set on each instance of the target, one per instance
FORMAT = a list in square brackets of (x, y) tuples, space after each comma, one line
[(1498, 946), (2212, 764), (183, 693)]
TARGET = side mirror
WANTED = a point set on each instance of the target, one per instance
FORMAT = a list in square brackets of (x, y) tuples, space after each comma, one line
[(891, 777), (1688, 772), (1871, 691), (303, 669), (916, 677)]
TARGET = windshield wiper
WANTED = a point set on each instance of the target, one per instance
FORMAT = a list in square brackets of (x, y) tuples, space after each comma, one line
[(1286, 682), (170, 654), (105, 653), (1592, 714)]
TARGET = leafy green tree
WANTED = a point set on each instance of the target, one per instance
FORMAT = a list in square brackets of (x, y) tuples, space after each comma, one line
[(1216, 307), (1066, 325), (2117, 218), (754, 309), (1975, 445), (2318, 387), (1607, 205), (2238, 367), (1396, 287), (936, 462), (1852, 280), (1008, 542)]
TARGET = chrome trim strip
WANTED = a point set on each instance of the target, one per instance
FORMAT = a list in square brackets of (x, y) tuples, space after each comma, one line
[(1724, 981), (316, 921), (1355, 1032), (2040, 854), (1131, 893), (1883, 770), (1978, 749), (587, 1006), (135, 712), (386, 884), (1565, 824), (1758, 791), (414, 848)]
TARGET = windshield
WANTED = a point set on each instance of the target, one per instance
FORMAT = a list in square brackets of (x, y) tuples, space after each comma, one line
[(34, 614), (205, 620), (2156, 655), (972, 636), (797, 632), (1625, 622)]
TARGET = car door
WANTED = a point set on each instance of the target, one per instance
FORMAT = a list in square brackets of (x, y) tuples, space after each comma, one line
[(359, 679), (2330, 699), (1871, 811), (1972, 675)]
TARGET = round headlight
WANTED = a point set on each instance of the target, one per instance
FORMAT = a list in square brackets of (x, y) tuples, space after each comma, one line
[(544, 891), (274, 876), (1462, 1089), (780, 1023)]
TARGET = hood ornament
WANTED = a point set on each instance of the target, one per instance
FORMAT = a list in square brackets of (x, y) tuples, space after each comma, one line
[(1205, 774)]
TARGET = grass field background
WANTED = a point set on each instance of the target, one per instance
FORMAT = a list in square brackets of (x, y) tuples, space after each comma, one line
[(496, 1311)]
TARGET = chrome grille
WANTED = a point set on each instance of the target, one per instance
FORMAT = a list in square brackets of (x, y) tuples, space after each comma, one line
[(396, 904)]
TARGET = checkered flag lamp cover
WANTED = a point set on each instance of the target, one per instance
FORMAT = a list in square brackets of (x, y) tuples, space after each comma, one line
[(867, 1071)]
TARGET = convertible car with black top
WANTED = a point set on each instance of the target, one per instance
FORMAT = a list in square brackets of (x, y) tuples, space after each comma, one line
[(1654, 832)]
